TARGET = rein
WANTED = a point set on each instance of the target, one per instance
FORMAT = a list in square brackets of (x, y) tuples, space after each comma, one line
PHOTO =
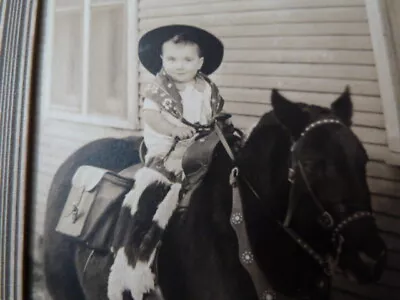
[(263, 288)]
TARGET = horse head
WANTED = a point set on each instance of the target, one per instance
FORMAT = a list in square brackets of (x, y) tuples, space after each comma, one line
[(328, 209), (329, 180)]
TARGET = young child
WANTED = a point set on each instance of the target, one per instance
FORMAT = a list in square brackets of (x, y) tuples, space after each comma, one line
[(181, 57), (180, 96)]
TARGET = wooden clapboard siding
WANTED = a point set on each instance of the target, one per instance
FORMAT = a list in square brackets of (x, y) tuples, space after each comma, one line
[(343, 29), (382, 170), (392, 242), (156, 3), (301, 56), (155, 9), (258, 109), (300, 29), (299, 70), (361, 103), (384, 187), (376, 152), (319, 42), (387, 205), (298, 84), (308, 15), (388, 223)]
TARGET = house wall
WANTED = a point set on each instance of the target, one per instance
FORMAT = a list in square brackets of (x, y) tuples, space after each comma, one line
[(309, 49)]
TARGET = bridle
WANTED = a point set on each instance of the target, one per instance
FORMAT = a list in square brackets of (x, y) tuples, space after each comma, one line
[(263, 288), (325, 218)]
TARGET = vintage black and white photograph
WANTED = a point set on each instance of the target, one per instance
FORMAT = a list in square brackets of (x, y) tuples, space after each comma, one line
[(214, 150)]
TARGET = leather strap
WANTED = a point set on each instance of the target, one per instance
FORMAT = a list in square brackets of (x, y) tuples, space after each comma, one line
[(293, 202), (224, 142), (247, 258)]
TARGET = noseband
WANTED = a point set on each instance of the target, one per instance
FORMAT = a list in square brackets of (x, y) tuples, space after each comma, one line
[(263, 288)]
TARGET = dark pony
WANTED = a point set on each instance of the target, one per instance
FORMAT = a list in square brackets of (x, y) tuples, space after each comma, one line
[(305, 198)]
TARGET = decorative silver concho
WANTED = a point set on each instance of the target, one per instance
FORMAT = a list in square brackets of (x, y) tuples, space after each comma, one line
[(268, 295), (236, 218), (247, 257)]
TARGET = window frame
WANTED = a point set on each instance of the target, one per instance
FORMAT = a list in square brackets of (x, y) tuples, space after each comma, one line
[(388, 74), (51, 111)]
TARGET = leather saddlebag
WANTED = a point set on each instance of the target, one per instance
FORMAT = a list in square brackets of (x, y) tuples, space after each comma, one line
[(93, 206)]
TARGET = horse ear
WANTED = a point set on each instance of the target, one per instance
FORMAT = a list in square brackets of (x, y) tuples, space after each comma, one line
[(289, 114), (343, 107)]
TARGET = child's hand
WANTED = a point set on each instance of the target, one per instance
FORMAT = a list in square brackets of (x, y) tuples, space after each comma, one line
[(183, 132)]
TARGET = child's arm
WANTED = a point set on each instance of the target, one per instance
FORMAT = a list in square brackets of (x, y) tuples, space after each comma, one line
[(158, 123)]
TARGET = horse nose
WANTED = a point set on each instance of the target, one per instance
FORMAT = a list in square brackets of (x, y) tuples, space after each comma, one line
[(375, 265)]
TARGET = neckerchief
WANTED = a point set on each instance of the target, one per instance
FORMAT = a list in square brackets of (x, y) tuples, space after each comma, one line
[(164, 92)]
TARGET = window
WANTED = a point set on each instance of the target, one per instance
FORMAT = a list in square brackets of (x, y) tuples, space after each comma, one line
[(383, 18), (91, 76)]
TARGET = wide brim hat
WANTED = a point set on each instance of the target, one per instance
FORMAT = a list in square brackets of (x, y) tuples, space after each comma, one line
[(150, 45)]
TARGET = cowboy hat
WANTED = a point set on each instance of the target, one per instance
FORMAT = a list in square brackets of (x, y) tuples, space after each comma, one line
[(150, 45)]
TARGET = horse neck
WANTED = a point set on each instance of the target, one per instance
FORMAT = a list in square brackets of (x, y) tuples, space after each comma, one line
[(264, 161)]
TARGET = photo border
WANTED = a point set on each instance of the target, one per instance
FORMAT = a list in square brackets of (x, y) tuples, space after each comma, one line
[(18, 61)]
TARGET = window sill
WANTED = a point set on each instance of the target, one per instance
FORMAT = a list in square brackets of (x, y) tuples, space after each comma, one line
[(94, 120)]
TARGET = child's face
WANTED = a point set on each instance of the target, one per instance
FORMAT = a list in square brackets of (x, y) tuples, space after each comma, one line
[(181, 61)]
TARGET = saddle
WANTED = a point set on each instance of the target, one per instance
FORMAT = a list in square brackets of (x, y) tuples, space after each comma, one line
[(94, 201)]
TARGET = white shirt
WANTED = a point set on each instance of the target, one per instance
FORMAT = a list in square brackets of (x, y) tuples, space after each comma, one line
[(196, 108)]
